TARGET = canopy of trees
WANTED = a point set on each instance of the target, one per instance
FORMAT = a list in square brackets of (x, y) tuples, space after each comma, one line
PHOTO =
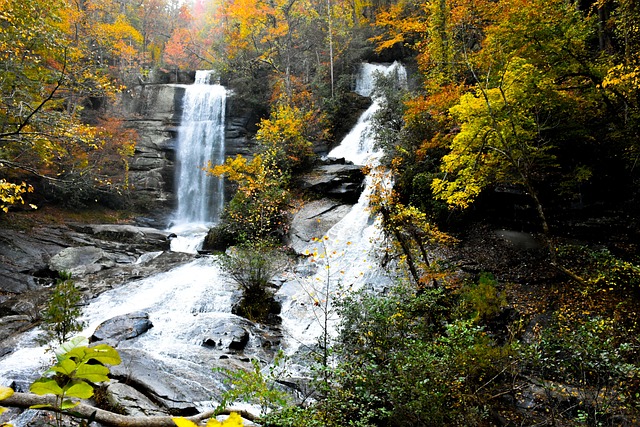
[(540, 98)]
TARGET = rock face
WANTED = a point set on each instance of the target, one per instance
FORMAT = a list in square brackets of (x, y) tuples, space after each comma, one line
[(337, 180), (155, 111), (314, 219)]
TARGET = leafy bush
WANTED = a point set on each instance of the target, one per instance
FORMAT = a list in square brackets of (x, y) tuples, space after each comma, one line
[(484, 298), (586, 370), (253, 265), (602, 269), (403, 362), (60, 318)]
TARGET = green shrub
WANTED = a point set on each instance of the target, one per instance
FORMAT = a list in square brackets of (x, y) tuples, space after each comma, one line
[(253, 265), (60, 318)]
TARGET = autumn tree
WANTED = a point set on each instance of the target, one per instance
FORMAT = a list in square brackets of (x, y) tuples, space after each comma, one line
[(48, 79), (259, 208)]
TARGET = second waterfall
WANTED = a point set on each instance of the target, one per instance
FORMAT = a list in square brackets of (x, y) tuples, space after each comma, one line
[(200, 141)]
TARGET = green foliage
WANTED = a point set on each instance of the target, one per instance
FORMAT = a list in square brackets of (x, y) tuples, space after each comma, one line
[(258, 386), (252, 265), (601, 269), (484, 298), (403, 362), (586, 364), (78, 368), (60, 317)]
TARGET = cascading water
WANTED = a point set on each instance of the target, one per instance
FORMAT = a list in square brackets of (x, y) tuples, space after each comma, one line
[(200, 142), (346, 255), (188, 303), (358, 146)]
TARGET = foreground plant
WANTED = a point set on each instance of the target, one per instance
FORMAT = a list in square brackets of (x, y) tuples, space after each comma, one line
[(75, 374)]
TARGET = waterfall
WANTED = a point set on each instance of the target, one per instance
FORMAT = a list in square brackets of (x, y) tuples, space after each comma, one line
[(187, 304), (347, 254), (358, 145), (200, 141)]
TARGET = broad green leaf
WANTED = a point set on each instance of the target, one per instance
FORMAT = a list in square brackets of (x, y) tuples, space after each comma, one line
[(103, 353), (78, 353), (5, 392), (68, 404), (93, 373), (80, 389), (65, 367), (45, 386), (74, 342)]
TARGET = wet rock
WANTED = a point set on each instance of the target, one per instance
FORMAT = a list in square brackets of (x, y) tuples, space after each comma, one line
[(131, 401), (10, 326), (314, 220), (231, 337), (80, 260), (342, 181), (122, 328), (177, 387), (145, 238)]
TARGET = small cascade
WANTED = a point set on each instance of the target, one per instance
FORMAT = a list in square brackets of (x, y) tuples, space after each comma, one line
[(346, 258), (358, 146)]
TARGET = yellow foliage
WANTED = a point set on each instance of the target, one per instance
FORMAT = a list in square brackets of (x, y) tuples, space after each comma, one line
[(11, 194), (234, 420)]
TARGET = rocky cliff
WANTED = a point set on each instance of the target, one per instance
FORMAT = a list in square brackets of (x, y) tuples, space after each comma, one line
[(154, 112)]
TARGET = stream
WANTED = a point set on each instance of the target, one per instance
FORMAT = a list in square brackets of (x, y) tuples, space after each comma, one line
[(190, 306)]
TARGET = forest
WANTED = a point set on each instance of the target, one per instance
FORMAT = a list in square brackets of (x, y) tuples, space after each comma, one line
[(520, 114)]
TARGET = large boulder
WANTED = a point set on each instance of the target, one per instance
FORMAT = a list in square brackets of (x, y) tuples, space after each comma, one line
[(120, 328), (79, 261), (314, 219), (336, 180), (144, 238)]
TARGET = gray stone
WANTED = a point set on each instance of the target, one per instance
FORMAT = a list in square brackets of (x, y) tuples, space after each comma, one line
[(122, 328), (131, 401), (146, 238), (225, 336), (175, 387), (80, 260), (342, 181), (314, 219)]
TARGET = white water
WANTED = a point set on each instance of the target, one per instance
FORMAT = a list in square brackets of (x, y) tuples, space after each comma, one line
[(200, 141), (358, 146), (347, 255), (184, 302)]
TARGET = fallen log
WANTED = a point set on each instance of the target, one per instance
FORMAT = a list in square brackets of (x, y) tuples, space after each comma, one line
[(107, 418)]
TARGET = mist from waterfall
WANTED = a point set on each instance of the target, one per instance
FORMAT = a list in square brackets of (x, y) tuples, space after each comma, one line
[(200, 141)]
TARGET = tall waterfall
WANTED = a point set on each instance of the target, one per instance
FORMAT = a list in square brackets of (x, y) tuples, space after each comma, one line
[(200, 141), (347, 254)]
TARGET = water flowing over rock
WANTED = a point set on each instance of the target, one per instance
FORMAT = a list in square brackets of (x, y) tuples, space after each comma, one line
[(345, 257), (201, 141)]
